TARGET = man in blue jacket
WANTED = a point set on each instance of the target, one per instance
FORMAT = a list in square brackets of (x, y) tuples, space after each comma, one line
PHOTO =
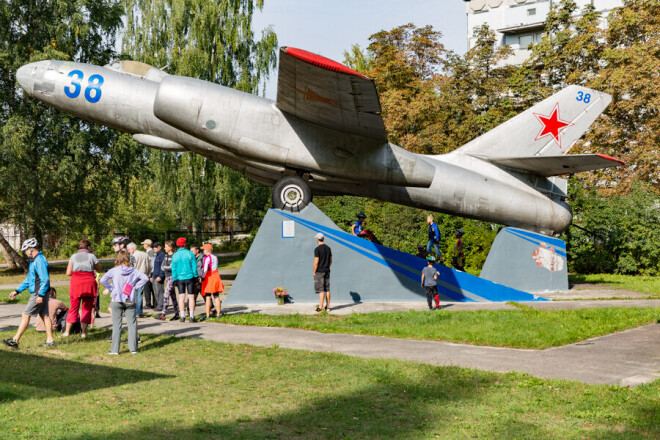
[(434, 238), (184, 274), (38, 284)]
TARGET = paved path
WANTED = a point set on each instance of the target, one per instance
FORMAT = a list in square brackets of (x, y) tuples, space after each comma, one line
[(628, 358)]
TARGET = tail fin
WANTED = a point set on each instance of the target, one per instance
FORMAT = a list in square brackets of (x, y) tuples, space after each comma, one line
[(550, 128)]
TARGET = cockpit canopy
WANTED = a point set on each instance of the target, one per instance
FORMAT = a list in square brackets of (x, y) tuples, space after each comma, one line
[(136, 68)]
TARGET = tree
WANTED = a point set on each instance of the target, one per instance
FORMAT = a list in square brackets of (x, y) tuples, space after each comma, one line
[(54, 170), (211, 40)]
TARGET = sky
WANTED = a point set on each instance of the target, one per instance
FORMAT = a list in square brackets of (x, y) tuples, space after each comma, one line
[(330, 27)]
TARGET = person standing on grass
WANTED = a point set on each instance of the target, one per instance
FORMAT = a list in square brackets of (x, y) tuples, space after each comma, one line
[(149, 297), (184, 274), (429, 277), (157, 276), (198, 257), (83, 289), (322, 263), (38, 284), (212, 285), (123, 281), (169, 292), (141, 263)]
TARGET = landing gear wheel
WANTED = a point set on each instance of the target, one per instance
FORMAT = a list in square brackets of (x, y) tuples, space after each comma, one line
[(291, 193)]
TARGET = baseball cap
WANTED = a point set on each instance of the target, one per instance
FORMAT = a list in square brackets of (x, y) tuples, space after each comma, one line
[(147, 242), (157, 244), (319, 236), (180, 241), (208, 246)]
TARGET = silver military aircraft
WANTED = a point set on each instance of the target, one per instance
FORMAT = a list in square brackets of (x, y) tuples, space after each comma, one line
[(324, 135)]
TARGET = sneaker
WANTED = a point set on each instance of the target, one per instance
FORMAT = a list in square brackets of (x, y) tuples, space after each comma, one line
[(203, 318), (160, 317), (191, 319), (175, 317), (139, 341), (183, 319), (112, 353), (97, 315), (83, 335), (10, 343), (134, 352), (47, 344)]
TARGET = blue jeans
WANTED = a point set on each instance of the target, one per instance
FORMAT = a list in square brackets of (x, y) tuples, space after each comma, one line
[(435, 245), (138, 300)]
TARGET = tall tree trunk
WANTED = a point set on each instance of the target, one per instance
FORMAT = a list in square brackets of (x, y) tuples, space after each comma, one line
[(13, 255), (10, 261)]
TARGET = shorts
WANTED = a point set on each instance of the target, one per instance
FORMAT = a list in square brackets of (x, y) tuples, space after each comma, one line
[(34, 309), (321, 282), (187, 285)]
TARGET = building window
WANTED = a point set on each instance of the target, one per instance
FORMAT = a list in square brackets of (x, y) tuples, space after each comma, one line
[(531, 11)]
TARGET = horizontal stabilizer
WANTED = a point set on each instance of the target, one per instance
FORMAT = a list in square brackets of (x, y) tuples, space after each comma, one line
[(555, 165)]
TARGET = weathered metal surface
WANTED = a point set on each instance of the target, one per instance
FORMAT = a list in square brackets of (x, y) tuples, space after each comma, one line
[(497, 177)]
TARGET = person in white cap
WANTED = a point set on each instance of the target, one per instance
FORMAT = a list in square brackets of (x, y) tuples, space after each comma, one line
[(322, 263)]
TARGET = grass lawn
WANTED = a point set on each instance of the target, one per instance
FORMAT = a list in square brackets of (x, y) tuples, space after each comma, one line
[(635, 283), (523, 328), (194, 389)]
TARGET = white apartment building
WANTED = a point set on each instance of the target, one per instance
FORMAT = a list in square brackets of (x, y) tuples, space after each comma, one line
[(519, 23)]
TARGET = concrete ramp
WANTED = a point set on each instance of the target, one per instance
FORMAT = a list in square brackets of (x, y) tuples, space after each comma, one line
[(282, 254), (527, 261)]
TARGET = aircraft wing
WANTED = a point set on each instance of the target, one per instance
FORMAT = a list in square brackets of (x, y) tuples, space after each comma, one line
[(324, 92), (556, 165)]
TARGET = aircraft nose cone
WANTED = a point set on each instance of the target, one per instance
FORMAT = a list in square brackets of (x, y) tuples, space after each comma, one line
[(24, 77)]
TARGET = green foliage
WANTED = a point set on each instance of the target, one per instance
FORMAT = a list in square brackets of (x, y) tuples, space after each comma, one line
[(403, 228), (55, 174), (627, 229), (211, 40)]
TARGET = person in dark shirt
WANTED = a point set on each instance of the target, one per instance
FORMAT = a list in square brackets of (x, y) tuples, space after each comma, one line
[(322, 263)]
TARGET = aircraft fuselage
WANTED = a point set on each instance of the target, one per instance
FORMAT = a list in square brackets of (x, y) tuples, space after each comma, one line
[(252, 135)]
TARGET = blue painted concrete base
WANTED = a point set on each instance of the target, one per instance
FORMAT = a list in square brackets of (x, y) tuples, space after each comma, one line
[(282, 254), (527, 261)]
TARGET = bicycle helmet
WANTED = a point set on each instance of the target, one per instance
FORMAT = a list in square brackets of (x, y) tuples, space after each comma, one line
[(120, 239), (430, 258), (362, 215), (459, 232), (29, 244)]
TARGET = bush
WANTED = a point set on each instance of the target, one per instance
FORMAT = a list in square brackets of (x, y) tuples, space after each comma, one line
[(626, 232)]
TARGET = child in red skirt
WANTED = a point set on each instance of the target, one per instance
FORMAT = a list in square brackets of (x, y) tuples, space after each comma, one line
[(211, 282)]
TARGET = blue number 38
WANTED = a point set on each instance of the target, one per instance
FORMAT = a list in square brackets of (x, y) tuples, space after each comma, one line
[(93, 90), (584, 97)]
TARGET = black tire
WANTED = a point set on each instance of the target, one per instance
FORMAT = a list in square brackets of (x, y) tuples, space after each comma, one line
[(291, 193)]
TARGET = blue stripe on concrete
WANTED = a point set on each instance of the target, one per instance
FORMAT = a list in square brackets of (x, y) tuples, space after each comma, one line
[(558, 245), (455, 285)]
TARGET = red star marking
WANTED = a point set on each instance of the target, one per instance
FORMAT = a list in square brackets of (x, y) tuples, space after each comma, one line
[(552, 125)]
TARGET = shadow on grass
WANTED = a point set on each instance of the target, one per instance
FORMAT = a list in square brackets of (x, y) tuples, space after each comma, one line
[(391, 408), (29, 376)]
